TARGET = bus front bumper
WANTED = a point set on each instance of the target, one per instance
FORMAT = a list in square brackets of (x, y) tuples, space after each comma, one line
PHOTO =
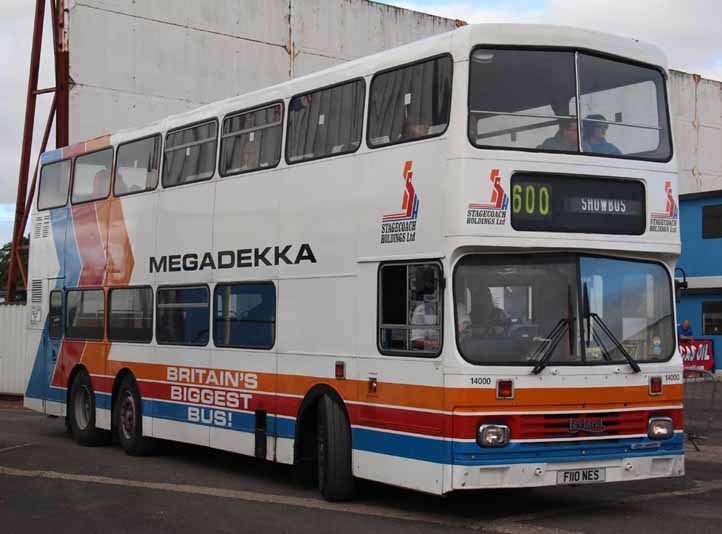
[(534, 474)]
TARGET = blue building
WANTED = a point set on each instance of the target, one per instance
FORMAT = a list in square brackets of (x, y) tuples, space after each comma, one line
[(701, 233)]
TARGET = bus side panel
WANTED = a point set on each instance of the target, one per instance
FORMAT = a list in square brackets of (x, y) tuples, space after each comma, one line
[(185, 226), (320, 202), (398, 428), (246, 221)]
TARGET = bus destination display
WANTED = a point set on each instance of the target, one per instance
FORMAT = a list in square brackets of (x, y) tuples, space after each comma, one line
[(554, 203)]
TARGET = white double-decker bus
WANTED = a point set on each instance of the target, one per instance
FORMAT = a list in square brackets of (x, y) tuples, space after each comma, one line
[(445, 266)]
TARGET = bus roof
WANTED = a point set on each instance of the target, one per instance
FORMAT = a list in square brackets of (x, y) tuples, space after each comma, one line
[(458, 42)]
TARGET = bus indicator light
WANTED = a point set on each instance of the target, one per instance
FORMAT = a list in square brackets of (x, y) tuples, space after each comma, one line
[(655, 385), (505, 389), (340, 370)]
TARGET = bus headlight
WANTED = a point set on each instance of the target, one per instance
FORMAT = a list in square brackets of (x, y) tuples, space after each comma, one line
[(492, 435), (660, 427)]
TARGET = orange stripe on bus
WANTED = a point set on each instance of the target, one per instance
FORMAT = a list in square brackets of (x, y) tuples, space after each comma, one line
[(564, 397), (439, 398)]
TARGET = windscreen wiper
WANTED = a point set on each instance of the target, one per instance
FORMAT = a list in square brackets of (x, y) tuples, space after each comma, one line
[(549, 345), (605, 352), (589, 316)]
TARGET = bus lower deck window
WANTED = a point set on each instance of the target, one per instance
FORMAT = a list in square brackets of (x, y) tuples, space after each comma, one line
[(244, 315), (410, 308), (182, 316), (130, 314), (85, 314)]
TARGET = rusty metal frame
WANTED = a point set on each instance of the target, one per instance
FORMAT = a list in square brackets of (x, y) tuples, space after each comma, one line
[(59, 112)]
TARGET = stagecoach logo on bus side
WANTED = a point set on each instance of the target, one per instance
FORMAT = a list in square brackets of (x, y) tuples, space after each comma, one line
[(665, 221), (401, 227), (590, 426), (493, 212)]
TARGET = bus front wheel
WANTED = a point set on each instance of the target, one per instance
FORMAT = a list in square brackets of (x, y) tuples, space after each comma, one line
[(333, 448), (128, 419)]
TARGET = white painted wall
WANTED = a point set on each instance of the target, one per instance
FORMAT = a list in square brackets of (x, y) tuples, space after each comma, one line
[(135, 62), (14, 370), (697, 122)]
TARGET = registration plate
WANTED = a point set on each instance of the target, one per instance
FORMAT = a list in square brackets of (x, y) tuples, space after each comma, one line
[(581, 476)]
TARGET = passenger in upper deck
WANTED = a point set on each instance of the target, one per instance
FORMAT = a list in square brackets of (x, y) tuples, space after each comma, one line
[(415, 127), (594, 129), (566, 139)]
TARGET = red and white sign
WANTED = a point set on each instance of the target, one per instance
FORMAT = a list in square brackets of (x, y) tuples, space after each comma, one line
[(698, 353)]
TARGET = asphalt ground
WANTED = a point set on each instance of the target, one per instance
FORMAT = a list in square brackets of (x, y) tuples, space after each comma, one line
[(48, 483)]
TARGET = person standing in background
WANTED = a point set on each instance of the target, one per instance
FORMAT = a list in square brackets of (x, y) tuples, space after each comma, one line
[(685, 332)]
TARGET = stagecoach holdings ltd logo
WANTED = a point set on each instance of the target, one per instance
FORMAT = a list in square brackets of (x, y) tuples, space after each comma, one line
[(401, 227), (665, 221), (495, 211)]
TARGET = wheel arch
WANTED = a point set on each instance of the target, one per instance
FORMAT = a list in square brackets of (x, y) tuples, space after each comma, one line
[(306, 418)]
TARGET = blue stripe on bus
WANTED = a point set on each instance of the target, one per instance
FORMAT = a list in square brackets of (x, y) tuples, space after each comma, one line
[(51, 155), (240, 421), (404, 445), (103, 400), (469, 453), (426, 449)]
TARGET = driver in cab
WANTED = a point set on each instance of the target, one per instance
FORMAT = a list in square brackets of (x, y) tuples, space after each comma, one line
[(480, 316)]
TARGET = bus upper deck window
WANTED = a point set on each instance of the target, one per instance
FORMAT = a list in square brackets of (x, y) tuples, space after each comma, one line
[(54, 181), (523, 99), (190, 154), (91, 175), (136, 166), (623, 109), (410, 102), (251, 140), (527, 99), (327, 122)]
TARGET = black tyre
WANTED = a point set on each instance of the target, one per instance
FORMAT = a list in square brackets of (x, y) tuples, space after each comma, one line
[(81, 412), (335, 474), (128, 419)]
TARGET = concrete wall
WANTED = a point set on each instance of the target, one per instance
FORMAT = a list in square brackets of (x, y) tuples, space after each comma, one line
[(134, 62), (697, 121), (14, 370)]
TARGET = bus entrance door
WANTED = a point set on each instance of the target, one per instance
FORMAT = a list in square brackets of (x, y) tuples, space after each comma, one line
[(400, 420), (51, 345)]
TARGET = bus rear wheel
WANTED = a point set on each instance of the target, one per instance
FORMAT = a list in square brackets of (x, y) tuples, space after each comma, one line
[(81, 412), (128, 419), (333, 449)]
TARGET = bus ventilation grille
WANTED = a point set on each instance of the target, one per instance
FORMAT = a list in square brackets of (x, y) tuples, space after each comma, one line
[(36, 292)]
